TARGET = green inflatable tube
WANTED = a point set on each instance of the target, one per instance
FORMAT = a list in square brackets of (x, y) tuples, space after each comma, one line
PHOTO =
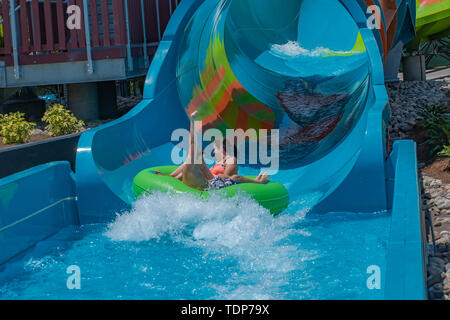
[(272, 196)]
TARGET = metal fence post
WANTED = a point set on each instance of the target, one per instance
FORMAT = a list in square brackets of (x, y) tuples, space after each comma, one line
[(87, 27), (130, 58), (12, 13), (146, 62), (158, 20)]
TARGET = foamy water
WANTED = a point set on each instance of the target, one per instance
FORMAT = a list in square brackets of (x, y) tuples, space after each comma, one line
[(238, 227), (293, 49)]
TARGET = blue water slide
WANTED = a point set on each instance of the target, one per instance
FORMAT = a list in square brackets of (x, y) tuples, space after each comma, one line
[(35, 204), (311, 69)]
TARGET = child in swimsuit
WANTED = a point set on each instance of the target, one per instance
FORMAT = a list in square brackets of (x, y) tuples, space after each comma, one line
[(221, 175), (218, 182)]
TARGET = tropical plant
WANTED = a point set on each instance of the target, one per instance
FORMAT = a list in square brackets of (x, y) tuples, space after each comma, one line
[(61, 121), (436, 124), (14, 128), (445, 152)]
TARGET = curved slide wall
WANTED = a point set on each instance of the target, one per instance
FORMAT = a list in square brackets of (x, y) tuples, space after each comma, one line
[(310, 68)]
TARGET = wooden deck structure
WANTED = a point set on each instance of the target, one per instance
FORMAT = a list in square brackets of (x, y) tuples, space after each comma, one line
[(116, 40)]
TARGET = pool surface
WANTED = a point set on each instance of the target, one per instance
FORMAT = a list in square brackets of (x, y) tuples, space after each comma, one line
[(178, 247)]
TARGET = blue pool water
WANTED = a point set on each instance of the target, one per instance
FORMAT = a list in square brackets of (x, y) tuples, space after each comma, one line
[(178, 247)]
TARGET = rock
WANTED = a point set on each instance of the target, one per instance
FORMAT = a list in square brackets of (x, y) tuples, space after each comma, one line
[(437, 287), (443, 204), (437, 267), (427, 180), (436, 193), (446, 288), (433, 279), (435, 295), (443, 233), (436, 183), (440, 263), (37, 131), (441, 248)]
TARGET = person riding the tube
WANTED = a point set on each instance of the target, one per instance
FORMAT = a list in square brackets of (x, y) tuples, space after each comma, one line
[(223, 174)]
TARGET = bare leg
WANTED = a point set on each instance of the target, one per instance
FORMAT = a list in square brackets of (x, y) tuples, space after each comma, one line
[(178, 173), (189, 163), (194, 175), (261, 179), (174, 174), (206, 172)]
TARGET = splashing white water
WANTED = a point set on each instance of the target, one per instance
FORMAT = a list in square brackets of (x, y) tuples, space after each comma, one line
[(227, 222), (237, 228), (293, 48)]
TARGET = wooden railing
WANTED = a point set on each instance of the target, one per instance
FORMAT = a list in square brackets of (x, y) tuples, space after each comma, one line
[(38, 33)]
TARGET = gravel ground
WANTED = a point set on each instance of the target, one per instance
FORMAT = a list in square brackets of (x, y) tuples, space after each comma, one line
[(436, 203), (405, 99), (126, 104)]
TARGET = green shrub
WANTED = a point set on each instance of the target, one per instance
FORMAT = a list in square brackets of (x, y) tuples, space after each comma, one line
[(14, 128), (436, 124), (61, 121), (445, 152)]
